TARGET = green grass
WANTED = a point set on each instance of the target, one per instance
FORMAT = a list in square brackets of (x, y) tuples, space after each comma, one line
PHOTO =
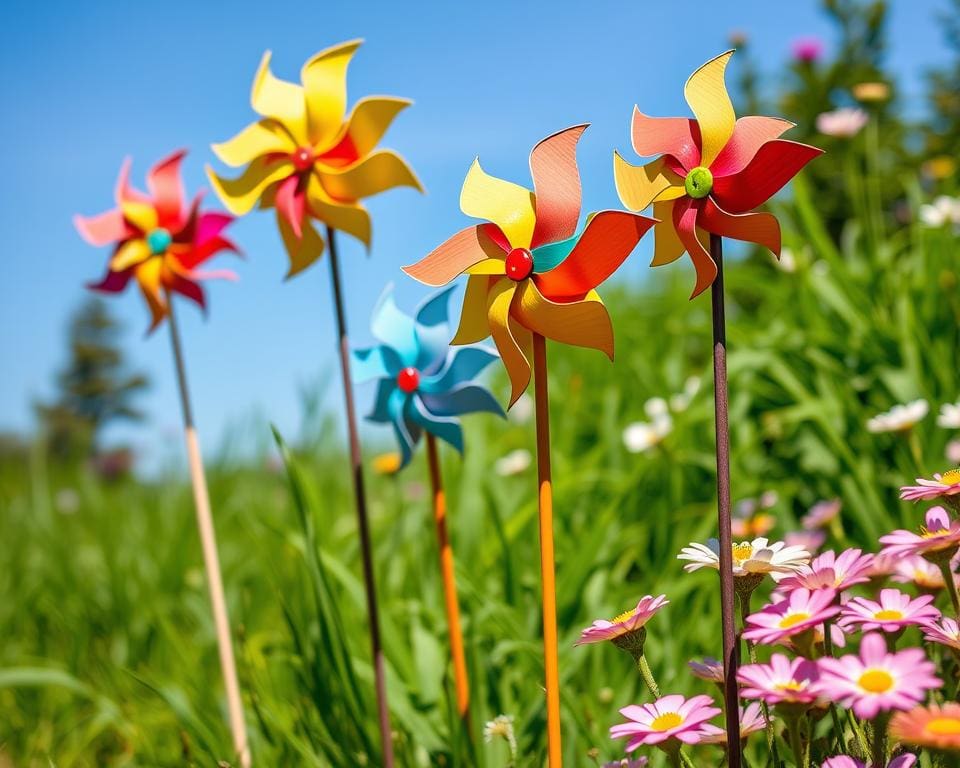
[(108, 655)]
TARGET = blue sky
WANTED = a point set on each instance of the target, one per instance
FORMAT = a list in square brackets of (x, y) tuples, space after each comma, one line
[(86, 84)]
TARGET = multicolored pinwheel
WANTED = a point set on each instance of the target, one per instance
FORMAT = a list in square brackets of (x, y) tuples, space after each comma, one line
[(157, 239), (713, 172), (423, 384), (529, 270), (306, 160)]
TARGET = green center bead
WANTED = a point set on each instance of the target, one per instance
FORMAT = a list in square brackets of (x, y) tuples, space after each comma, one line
[(158, 241), (699, 182)]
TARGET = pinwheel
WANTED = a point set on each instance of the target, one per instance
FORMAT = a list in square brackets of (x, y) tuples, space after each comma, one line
[(308, 159), (157, 239), (311, 164), (712, 172), (422, 387), (532, 277), (160, 241)]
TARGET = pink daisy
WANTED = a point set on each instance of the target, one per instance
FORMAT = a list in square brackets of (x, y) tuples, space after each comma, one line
[(895, 611), (801, 610), (669, 717), (916, 570), (821, 514), (808, 540), (939, 534), (782, 681), (942, 486), (839, 572), (876, 679), (751, 721), (709, 669), (628, 621), (946, 633), (936, 727), (843, 761)]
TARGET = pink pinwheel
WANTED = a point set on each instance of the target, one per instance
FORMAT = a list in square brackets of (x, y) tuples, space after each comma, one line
[(802, 610), (782, 681), (894, 612), (839, 572), (712, 172), (876, 680), (940, 537), (157, 239), (627, 622), (670, 717)]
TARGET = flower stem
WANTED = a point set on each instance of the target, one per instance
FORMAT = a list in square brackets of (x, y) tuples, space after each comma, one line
[(744, 600), (951, 586), (828, 651), (647, 675), (879, 746), (796, 743), (916, 453)]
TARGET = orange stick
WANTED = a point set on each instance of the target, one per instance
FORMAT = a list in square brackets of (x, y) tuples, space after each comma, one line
[(449, 581), (211, 560), (547, 567)]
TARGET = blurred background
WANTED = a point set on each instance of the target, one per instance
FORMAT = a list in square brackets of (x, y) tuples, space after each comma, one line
[(108, 657)]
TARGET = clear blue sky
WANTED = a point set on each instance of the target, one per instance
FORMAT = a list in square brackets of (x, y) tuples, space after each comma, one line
[(86, 83)]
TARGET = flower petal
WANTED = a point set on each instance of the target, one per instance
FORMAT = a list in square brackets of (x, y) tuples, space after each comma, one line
[(468, 398), (104, 228), (761, 228), (775, 163), (324, 80), (280, 100), (676, 136), (368, 121), (301, 251), (504, 203), (375, 173), (706, 93), (239, 195), (473, 315), (610, 236), (667, 246), (452, 257), (129, 254), (640, 185), (513, 341), (263, 137), (166, 187), (583, 323), (685, 220), (749, 134), (556, 186)]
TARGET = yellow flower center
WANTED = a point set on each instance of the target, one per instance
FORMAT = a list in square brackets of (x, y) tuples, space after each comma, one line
[(666, 721), (792, 619), (742, 552), (950, 477), (926, 533), (943, 726), (876, 681), (622, 617), (792, 685), (888, 615)]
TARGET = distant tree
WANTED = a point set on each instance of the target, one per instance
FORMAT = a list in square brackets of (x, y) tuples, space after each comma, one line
[(942, 134), (95, 388)]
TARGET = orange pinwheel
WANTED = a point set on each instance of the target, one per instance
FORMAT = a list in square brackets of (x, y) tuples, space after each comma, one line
[(713, 171), (157, 239), (529, 272), (309, 161)]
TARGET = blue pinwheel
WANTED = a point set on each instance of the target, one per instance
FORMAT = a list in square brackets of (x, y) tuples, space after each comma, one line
[(424, 384)]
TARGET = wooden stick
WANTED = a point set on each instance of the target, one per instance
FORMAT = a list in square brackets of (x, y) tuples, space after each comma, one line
[(449, 581), (211, 560), (730, 691), (363, 522), (547, 567)]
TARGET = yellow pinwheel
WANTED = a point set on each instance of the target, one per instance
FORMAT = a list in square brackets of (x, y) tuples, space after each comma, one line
[(310, 160)]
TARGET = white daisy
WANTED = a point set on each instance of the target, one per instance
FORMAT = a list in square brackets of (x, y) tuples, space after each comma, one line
[(641, 436), (949, 417), (899, 418), (749, 557), (681, 401), (513, 463), (943, 210), (843, 123)]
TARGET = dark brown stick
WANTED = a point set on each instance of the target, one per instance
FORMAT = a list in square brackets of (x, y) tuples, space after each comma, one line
[(730, 693), (360, 496)]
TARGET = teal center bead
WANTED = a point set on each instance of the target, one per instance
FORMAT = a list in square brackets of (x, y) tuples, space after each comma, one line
[(158, 240), (699, 182)]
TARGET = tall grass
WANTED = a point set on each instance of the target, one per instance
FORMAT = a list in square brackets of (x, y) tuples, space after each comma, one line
[(108, 655)]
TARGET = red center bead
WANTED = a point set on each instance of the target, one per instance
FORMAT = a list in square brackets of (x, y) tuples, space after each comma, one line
[(302, 158), (519, 264), (408, 380)]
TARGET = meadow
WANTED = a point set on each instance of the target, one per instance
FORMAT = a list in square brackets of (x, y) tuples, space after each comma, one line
[(109, 656)]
